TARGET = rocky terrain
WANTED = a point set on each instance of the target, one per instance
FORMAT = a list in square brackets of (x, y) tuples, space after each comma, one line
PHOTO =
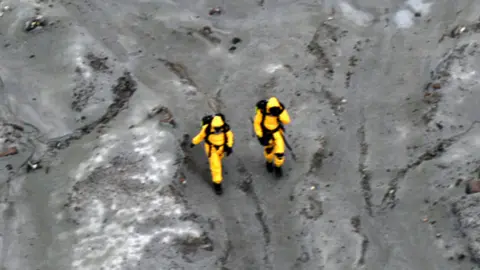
[(99, 99)]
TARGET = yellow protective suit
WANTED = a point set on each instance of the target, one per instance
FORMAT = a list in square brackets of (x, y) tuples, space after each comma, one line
[(215, 145), (271, 126)]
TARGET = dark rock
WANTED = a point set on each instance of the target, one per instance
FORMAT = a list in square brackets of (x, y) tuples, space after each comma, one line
[(97, 63), (236, 40), (34, 23), (215, 11)]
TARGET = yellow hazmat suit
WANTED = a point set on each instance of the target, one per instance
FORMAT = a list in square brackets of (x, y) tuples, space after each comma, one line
[(218, 140), (269, 119)]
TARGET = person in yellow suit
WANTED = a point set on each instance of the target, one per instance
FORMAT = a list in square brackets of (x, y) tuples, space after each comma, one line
[(269, 121), (218, 140)]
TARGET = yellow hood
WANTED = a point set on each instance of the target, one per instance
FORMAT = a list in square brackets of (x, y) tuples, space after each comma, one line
[(272, 102), (217, 122)]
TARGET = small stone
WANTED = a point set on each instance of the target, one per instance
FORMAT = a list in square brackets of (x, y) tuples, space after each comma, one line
[(438, 235), (418, 14), (232, 49), (458, 182), (38, 21), (215, 11), (207, 30), (436, 86), (236, 40)]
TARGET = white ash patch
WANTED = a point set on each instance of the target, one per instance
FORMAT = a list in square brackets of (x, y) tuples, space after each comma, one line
[(122, 200)]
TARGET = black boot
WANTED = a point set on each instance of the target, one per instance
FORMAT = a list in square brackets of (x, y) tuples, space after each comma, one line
[(218, 188), (269, 166), (278, 171)]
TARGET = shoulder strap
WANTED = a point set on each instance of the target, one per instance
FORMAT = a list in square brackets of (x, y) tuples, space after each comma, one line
[(207, 120), (282, 108), (262, 106), (226, 128)]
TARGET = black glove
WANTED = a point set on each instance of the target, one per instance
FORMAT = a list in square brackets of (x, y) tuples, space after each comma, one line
[(228, 150), (263, 140), (192, 145)]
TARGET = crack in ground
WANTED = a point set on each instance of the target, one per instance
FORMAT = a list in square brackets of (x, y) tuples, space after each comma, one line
[(226, 254), (316, 161), (247, 187), (180, 71), (440, 77), (323, 61), (334, 101), (364, 172), (352, 63), (357, 227), (363, 252), (389, 198), (122, 91)]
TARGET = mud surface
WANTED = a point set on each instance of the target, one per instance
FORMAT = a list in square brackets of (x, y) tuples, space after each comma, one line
[(101, 98)]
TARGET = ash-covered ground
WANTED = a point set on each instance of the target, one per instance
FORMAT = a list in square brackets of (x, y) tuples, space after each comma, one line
[(98, 99)]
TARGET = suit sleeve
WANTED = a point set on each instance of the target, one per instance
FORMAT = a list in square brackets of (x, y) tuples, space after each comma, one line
[(200, 136), (284, 117), (257, 123), (230, 138)]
